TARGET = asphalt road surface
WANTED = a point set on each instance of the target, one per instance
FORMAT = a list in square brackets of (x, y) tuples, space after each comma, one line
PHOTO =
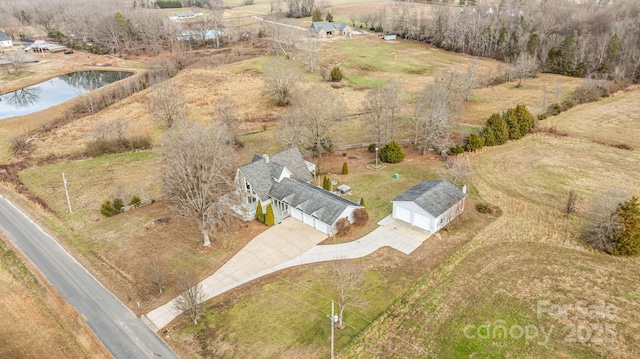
[(124, 335)]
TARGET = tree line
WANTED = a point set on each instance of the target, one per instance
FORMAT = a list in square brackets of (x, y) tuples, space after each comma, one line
[(564, 37), (103, 27)]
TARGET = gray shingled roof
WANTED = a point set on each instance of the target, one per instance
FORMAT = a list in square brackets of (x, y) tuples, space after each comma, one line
[(291, 158), (328, 26), (3, 36), (312, 200), (258, 174), (435, 197)]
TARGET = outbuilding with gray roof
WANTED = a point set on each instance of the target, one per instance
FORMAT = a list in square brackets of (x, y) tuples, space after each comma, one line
[(429, 205)]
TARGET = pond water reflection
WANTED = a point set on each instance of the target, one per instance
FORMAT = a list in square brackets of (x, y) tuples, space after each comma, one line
[(55, 91)]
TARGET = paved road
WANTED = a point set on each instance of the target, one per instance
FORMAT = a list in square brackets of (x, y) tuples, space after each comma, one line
[(124, 335)]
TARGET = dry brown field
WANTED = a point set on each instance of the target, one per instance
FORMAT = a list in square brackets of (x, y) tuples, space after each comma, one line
[(35, 321)]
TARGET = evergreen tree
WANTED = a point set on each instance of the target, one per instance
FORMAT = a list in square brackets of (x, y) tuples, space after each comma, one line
[(474, 142), (512, 124), (345, 169), (498, 128), (336, 74), (329, 17), (392, 152), (269, 218), (525, 119), (259, 213), (317, 15), (627, 241), (362, 202)]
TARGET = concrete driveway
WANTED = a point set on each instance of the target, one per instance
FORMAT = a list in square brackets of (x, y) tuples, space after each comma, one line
[(278, 244), (292, 243)]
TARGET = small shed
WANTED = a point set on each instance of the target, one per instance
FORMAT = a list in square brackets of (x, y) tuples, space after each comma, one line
[(429, 205), (389, 36), (343, 189)]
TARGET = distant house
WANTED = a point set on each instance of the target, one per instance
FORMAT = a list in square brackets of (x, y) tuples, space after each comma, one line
[(322, 29), (429, 205), (44, 46), (389, 36), (5, 40), (282, 180), (185, 15), (199, 35)]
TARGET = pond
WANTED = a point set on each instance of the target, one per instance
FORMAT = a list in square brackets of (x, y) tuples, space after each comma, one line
[(55, 91)]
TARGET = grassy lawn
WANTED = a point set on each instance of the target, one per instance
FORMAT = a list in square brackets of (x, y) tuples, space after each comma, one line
[(531, 253), (284, 314), (496, 99), (368, 61), (614, 120)]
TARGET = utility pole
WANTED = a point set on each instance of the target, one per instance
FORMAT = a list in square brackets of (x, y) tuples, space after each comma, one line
[(334, 320), (66, 191)]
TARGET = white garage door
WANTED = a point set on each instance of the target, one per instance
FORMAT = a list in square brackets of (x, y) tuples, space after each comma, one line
[(296, 213), (402, 213), (308, 220), (322, 227), (421, 221)]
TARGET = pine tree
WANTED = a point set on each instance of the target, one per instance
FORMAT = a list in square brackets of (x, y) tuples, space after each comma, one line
[(627, 242), (316, 16), (345, 169), (259, 213), (474, 142), (499, 128), (512, 124), (329, 17), (362, 202), (269, 218), (525, 119), (392, 152)]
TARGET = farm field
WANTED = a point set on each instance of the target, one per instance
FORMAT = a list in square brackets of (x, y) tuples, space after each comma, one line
[(613, 120)]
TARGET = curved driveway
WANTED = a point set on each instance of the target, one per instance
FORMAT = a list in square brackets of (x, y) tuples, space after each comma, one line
[(124, 335), (293, 243)]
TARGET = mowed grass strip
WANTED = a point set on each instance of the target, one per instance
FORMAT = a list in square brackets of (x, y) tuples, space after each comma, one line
[(614, 120), (542, 169)]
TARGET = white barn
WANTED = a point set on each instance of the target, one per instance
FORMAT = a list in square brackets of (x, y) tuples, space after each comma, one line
[(429, 205)]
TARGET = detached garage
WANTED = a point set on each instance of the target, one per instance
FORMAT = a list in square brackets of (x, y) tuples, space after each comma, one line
[(429, 205)]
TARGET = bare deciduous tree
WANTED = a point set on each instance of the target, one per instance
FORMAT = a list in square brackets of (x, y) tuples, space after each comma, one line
[(198, 179), (310, 119), (525, 66), (458, 169), (225, 112), (190, 301), (312, 52), (348, 280), (156, 276), (167, 103), (604, 222), (382, 104), (281, 77), (433, 114)]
